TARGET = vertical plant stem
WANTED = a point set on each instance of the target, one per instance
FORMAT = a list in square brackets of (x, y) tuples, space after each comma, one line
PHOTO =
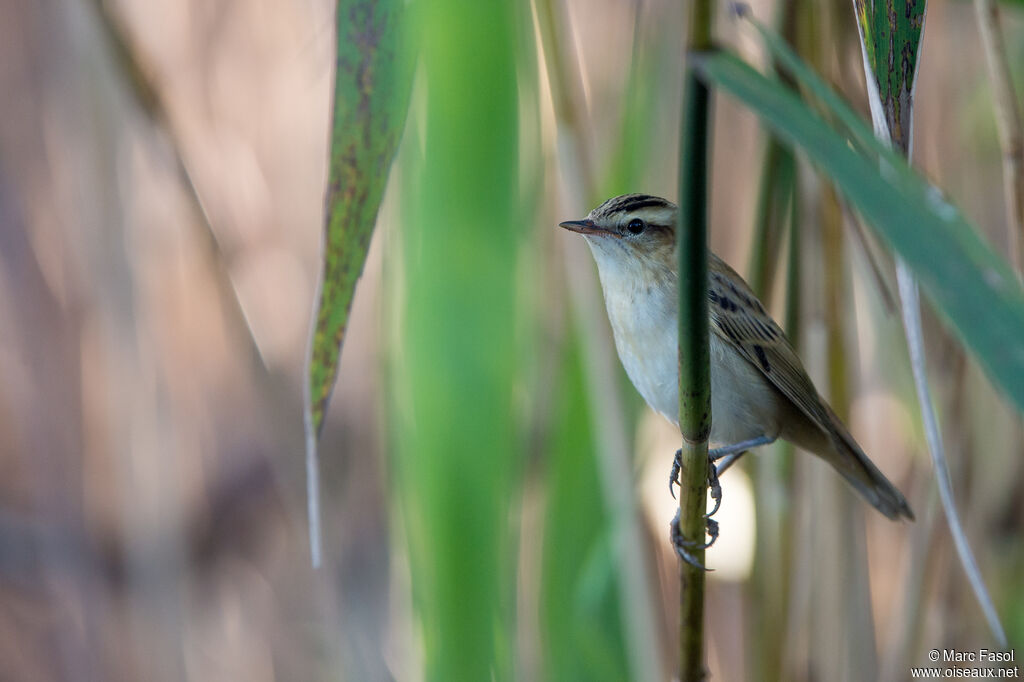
[(636, 598), (827, 33), (1008, 122), (854, 593), (777, 171), (694, 357), (776, 211), (780, 472)]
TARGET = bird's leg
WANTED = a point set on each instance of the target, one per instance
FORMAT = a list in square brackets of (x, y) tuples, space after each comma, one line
[(728, 461), (730, 453), (738, 448)]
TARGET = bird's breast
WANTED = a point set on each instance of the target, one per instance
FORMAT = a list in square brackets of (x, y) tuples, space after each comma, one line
[(644, 322)]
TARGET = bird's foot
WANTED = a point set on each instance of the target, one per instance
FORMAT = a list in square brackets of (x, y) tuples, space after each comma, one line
[(713, 473), (727, 455), (683, 546)]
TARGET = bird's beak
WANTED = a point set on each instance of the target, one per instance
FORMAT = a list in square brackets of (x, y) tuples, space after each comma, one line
[(587, 227)]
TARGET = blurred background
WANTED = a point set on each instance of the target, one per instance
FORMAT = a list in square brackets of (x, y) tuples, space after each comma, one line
[(162, 171)]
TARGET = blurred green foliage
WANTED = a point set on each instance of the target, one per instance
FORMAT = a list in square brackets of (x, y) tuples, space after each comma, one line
[(457, 427), (581, 624)]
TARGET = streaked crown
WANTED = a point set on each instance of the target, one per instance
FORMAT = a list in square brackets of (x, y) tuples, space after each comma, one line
[(655, 211)]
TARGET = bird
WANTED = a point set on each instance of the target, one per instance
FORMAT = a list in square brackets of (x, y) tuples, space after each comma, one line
[(760, 391)]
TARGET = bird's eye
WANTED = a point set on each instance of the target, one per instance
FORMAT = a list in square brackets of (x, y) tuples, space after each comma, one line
[(636, 226)]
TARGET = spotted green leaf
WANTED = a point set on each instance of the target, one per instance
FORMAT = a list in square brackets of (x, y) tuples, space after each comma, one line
[(370, 95), (890, 31)]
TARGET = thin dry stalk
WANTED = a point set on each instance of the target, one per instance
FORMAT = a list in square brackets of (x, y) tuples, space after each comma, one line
[(1008, 123), (138, 77), (635, 594)]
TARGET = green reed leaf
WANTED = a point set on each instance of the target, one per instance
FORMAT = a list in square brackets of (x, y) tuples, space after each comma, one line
[(370, 94), (968, 282)]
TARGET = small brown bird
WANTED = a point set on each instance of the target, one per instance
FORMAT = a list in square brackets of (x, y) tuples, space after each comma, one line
[(759, 388)]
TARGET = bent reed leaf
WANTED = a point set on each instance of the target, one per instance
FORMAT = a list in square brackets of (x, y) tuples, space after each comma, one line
[(370, 98), (969, 283)]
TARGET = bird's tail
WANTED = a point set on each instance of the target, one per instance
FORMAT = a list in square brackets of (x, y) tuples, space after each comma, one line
[(864, 476)]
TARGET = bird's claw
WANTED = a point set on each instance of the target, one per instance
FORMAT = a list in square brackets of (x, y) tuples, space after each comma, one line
[(716, 489), (680, 543), (683, 546), (713, 485), (673, 477)]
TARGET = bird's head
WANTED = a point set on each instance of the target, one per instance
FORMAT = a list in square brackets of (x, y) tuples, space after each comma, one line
[(632, 236)]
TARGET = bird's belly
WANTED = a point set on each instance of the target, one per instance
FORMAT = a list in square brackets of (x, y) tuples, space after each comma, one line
[(647, 347), (655, 374), (744, 405)]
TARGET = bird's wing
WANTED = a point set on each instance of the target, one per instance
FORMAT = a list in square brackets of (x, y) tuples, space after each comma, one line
[(739, 318)]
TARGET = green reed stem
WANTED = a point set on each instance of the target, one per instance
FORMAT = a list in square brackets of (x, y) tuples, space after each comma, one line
[(694, 357)]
